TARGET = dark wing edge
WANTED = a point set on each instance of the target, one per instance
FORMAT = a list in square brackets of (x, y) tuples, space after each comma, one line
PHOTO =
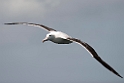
[(31, 24), (94, 54)]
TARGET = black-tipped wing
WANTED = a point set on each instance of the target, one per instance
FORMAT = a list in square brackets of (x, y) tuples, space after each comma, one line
[(94, 54), (32, 24)]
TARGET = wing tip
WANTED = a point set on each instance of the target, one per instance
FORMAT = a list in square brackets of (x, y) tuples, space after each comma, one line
[(15, 23), (120, 76), (10, 23)]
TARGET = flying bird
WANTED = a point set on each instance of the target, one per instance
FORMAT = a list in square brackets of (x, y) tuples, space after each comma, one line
[(62, 38)]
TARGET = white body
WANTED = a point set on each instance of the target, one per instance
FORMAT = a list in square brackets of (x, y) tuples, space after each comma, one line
[(58, 37)]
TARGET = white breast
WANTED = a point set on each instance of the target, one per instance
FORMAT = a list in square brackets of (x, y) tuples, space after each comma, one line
[(60, 37)]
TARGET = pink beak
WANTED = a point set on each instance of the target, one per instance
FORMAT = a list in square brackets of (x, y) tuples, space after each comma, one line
[(44, 40)]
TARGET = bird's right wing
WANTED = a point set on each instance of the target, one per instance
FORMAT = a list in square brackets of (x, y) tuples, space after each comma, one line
[(31, 24)]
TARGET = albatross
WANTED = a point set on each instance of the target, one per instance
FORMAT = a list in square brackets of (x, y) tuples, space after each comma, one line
[(59, 37)]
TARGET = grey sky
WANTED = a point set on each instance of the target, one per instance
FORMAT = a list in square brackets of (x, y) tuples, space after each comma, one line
[(25, 59)]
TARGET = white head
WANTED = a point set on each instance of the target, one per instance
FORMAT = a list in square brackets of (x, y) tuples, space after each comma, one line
[(48, 37)]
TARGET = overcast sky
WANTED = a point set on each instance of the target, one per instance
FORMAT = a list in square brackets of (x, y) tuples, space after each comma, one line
[(25, 59)]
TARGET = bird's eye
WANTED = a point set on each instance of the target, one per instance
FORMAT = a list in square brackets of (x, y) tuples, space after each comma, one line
[(50, 35)]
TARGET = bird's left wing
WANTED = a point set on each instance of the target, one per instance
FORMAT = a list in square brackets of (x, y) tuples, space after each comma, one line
[(31, 24), (94, 54)]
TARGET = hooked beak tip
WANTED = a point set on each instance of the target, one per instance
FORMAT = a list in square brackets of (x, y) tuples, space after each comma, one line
[(44, 40)]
